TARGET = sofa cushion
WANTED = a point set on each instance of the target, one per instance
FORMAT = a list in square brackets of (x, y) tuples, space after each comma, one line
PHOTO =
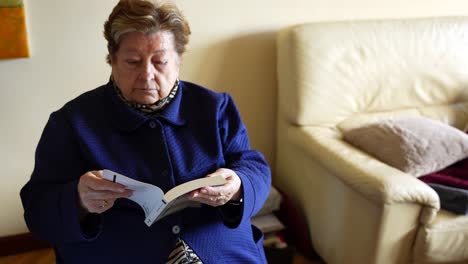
[(417, 146), (318, 73), (444, 240)]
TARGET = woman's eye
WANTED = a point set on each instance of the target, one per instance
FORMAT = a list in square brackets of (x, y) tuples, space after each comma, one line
[(132, 62)]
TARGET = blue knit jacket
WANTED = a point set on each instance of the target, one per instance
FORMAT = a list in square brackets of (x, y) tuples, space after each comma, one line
[(197, 133)]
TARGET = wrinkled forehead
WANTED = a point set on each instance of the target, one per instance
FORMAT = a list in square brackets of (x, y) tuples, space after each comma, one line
[(157, 42)]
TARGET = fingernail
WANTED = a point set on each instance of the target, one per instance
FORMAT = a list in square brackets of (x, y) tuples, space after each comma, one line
[(203, 191), (121, 190)]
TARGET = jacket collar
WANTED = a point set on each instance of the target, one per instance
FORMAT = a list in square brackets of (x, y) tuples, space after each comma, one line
[(173, 112), (128, 119)]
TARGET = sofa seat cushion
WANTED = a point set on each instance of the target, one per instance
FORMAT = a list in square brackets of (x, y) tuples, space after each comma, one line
[(445, 239)]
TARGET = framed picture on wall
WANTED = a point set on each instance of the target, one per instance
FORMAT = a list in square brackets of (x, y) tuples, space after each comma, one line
[(13, 34)]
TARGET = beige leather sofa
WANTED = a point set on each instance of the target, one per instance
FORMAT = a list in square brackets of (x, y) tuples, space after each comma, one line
[(337, 76)]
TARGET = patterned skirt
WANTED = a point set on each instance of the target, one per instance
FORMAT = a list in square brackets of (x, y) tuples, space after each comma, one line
[(183, 254)]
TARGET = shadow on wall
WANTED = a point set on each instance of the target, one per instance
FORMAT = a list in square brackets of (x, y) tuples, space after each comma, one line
[(245, 67)]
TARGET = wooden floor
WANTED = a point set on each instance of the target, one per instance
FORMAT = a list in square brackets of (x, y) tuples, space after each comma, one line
[(299, 259), (46, 256)]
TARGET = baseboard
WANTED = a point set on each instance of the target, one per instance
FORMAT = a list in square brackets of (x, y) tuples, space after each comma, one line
[(20, 243)]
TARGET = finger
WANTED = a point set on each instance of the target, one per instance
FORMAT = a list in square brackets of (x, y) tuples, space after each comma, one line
[(93, 206), (103, 195), (217, 195), (233, 185), (212, 200), (230, 176), (197, 197), (109, 185), (95, 181), (217, 190), (100, 206), (221, 171)]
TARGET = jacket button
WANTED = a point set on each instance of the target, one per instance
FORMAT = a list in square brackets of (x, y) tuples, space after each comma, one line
[(175, 229), (165, 173), (152, 124)]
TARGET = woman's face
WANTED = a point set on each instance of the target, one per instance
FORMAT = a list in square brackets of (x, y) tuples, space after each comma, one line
[(146, 67)]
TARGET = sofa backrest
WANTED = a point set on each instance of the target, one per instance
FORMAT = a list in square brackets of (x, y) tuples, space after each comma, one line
[(330, 72)]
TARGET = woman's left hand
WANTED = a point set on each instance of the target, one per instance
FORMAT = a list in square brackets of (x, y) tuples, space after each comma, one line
[(219, 195)]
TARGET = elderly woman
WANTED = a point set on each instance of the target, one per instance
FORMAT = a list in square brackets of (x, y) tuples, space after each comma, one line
[(146, 124)]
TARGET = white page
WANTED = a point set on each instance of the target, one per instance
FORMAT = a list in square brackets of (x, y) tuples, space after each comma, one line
[(148, 196)]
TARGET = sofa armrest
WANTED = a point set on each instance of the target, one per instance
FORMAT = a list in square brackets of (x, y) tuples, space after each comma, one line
[(372, 178)]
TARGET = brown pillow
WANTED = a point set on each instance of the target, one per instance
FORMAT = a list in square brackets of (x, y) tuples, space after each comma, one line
[(417, 146)]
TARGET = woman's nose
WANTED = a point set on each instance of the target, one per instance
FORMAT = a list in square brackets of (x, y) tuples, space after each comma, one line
[(148, 71)]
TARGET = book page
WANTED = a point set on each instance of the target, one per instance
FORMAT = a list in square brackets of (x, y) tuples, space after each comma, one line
[(193, 185), (177, 205), (149, 197)]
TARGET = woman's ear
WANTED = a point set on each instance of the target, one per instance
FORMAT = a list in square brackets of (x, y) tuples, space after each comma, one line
[(111, 59)]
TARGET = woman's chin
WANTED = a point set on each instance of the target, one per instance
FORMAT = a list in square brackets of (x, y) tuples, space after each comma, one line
[(146, 99)]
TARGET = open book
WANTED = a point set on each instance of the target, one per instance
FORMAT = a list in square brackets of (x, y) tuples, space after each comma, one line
[(152, 199)]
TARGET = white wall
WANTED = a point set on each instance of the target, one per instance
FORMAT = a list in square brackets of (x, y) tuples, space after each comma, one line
[(232, 49)]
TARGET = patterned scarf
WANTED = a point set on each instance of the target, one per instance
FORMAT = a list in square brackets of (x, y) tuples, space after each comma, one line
[(148, 109)]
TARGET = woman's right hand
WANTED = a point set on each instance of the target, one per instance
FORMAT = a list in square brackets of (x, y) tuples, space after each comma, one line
[(97, 194)]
